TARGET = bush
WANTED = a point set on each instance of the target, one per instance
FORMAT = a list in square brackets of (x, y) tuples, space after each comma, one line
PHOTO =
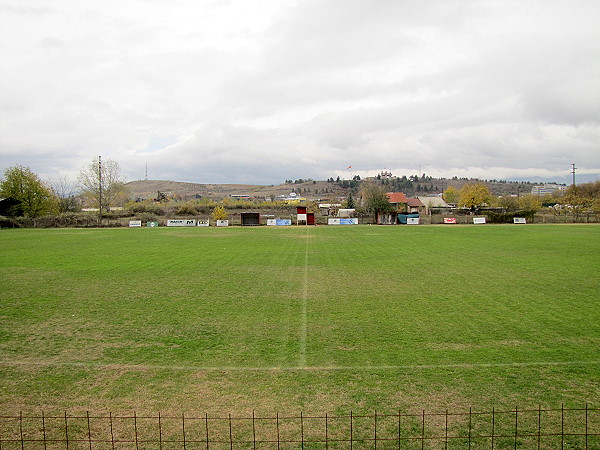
[(8, 222), (496, 217), (186, 209), (145, 207), (146, 217)]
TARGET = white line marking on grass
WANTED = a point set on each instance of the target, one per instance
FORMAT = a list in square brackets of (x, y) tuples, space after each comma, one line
[(304, 318), (291, 369)]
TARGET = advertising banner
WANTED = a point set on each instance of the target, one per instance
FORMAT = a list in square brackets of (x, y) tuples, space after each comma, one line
[(519, 220), (449, 219), (339, 221), (279, 222), (135, 223), (478, 220), (412, 221), (152, 224), (204, 223), (181, 223), (222, 223)]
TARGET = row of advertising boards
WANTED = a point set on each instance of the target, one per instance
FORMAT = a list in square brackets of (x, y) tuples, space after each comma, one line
[(288, 222)]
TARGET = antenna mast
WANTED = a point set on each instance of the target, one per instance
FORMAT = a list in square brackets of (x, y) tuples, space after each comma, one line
[(100, 190)]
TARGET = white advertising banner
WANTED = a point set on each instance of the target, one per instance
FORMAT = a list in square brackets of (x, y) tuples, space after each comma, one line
[(412, 221), (519, 220), (478, 220), (222, 223), (135, 223), (301, 217), (271, 222), (333, 221), (204, 223), (181, 223)]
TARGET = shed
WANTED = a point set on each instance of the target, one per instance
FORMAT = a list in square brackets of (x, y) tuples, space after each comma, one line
[(250, 219), (304, 217)]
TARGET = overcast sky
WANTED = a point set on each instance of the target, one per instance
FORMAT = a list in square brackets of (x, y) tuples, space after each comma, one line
[(259, 91)]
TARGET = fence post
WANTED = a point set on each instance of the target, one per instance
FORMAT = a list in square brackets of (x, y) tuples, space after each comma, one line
[(112, 435), (66, 431), (253, 431), (21, 429), (493, 425), (562, 426), (446, 441), (399, 429), (159, 432), (277, 426), (586, 426), (44, 429), (516, 424), (375, 428), (539, 426), (183, 428), (135, 428), (423, 432), (351, 437), (302, 429), (87, 413), (326, 433), (470, 424), (230, 433), (206, 423)]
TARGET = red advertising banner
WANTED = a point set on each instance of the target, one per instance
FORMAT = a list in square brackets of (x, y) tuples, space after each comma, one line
[(449, 219)]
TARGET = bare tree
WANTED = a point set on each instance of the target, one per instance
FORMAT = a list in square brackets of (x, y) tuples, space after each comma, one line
[(102, 183), (66, 192)]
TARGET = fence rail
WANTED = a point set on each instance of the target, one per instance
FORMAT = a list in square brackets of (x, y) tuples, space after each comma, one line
[(517, 428)]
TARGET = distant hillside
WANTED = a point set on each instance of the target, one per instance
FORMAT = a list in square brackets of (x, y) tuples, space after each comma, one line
[(412, 186), (148, 189)]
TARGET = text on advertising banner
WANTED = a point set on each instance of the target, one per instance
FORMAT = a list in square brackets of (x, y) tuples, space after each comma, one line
[(181, 223)]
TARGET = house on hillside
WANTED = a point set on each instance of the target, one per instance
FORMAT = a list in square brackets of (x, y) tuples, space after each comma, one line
[(398, 201), (415, 206), (403, 208)]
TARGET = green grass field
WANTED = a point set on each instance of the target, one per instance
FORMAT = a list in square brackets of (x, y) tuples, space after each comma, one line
[(302, 318)]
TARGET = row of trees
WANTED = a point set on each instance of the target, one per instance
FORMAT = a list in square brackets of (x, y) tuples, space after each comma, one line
[(100, 183)]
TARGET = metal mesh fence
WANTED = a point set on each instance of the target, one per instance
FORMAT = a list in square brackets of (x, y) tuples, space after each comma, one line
[(517, 428)]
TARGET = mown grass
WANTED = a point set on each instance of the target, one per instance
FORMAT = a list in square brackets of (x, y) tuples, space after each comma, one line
[(288, 319)]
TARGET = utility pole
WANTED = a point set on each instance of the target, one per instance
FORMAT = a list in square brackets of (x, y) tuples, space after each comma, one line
[(573, 172), (99, 190)]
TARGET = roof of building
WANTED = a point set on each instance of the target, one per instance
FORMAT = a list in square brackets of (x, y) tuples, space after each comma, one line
[(434, 202), (414, 202), (397, 197)]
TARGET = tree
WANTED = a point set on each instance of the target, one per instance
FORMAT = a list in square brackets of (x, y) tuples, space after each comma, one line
[(349, 202), (102, 180), (375, 200), (583, 197), (474, 196), (530, 202), (34, 196), (508, 203), (219, 213), (64, 190), (450, 195)]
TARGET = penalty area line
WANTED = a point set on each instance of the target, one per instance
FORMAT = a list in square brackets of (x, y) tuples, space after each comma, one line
[(304, 313), (143, 367)]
